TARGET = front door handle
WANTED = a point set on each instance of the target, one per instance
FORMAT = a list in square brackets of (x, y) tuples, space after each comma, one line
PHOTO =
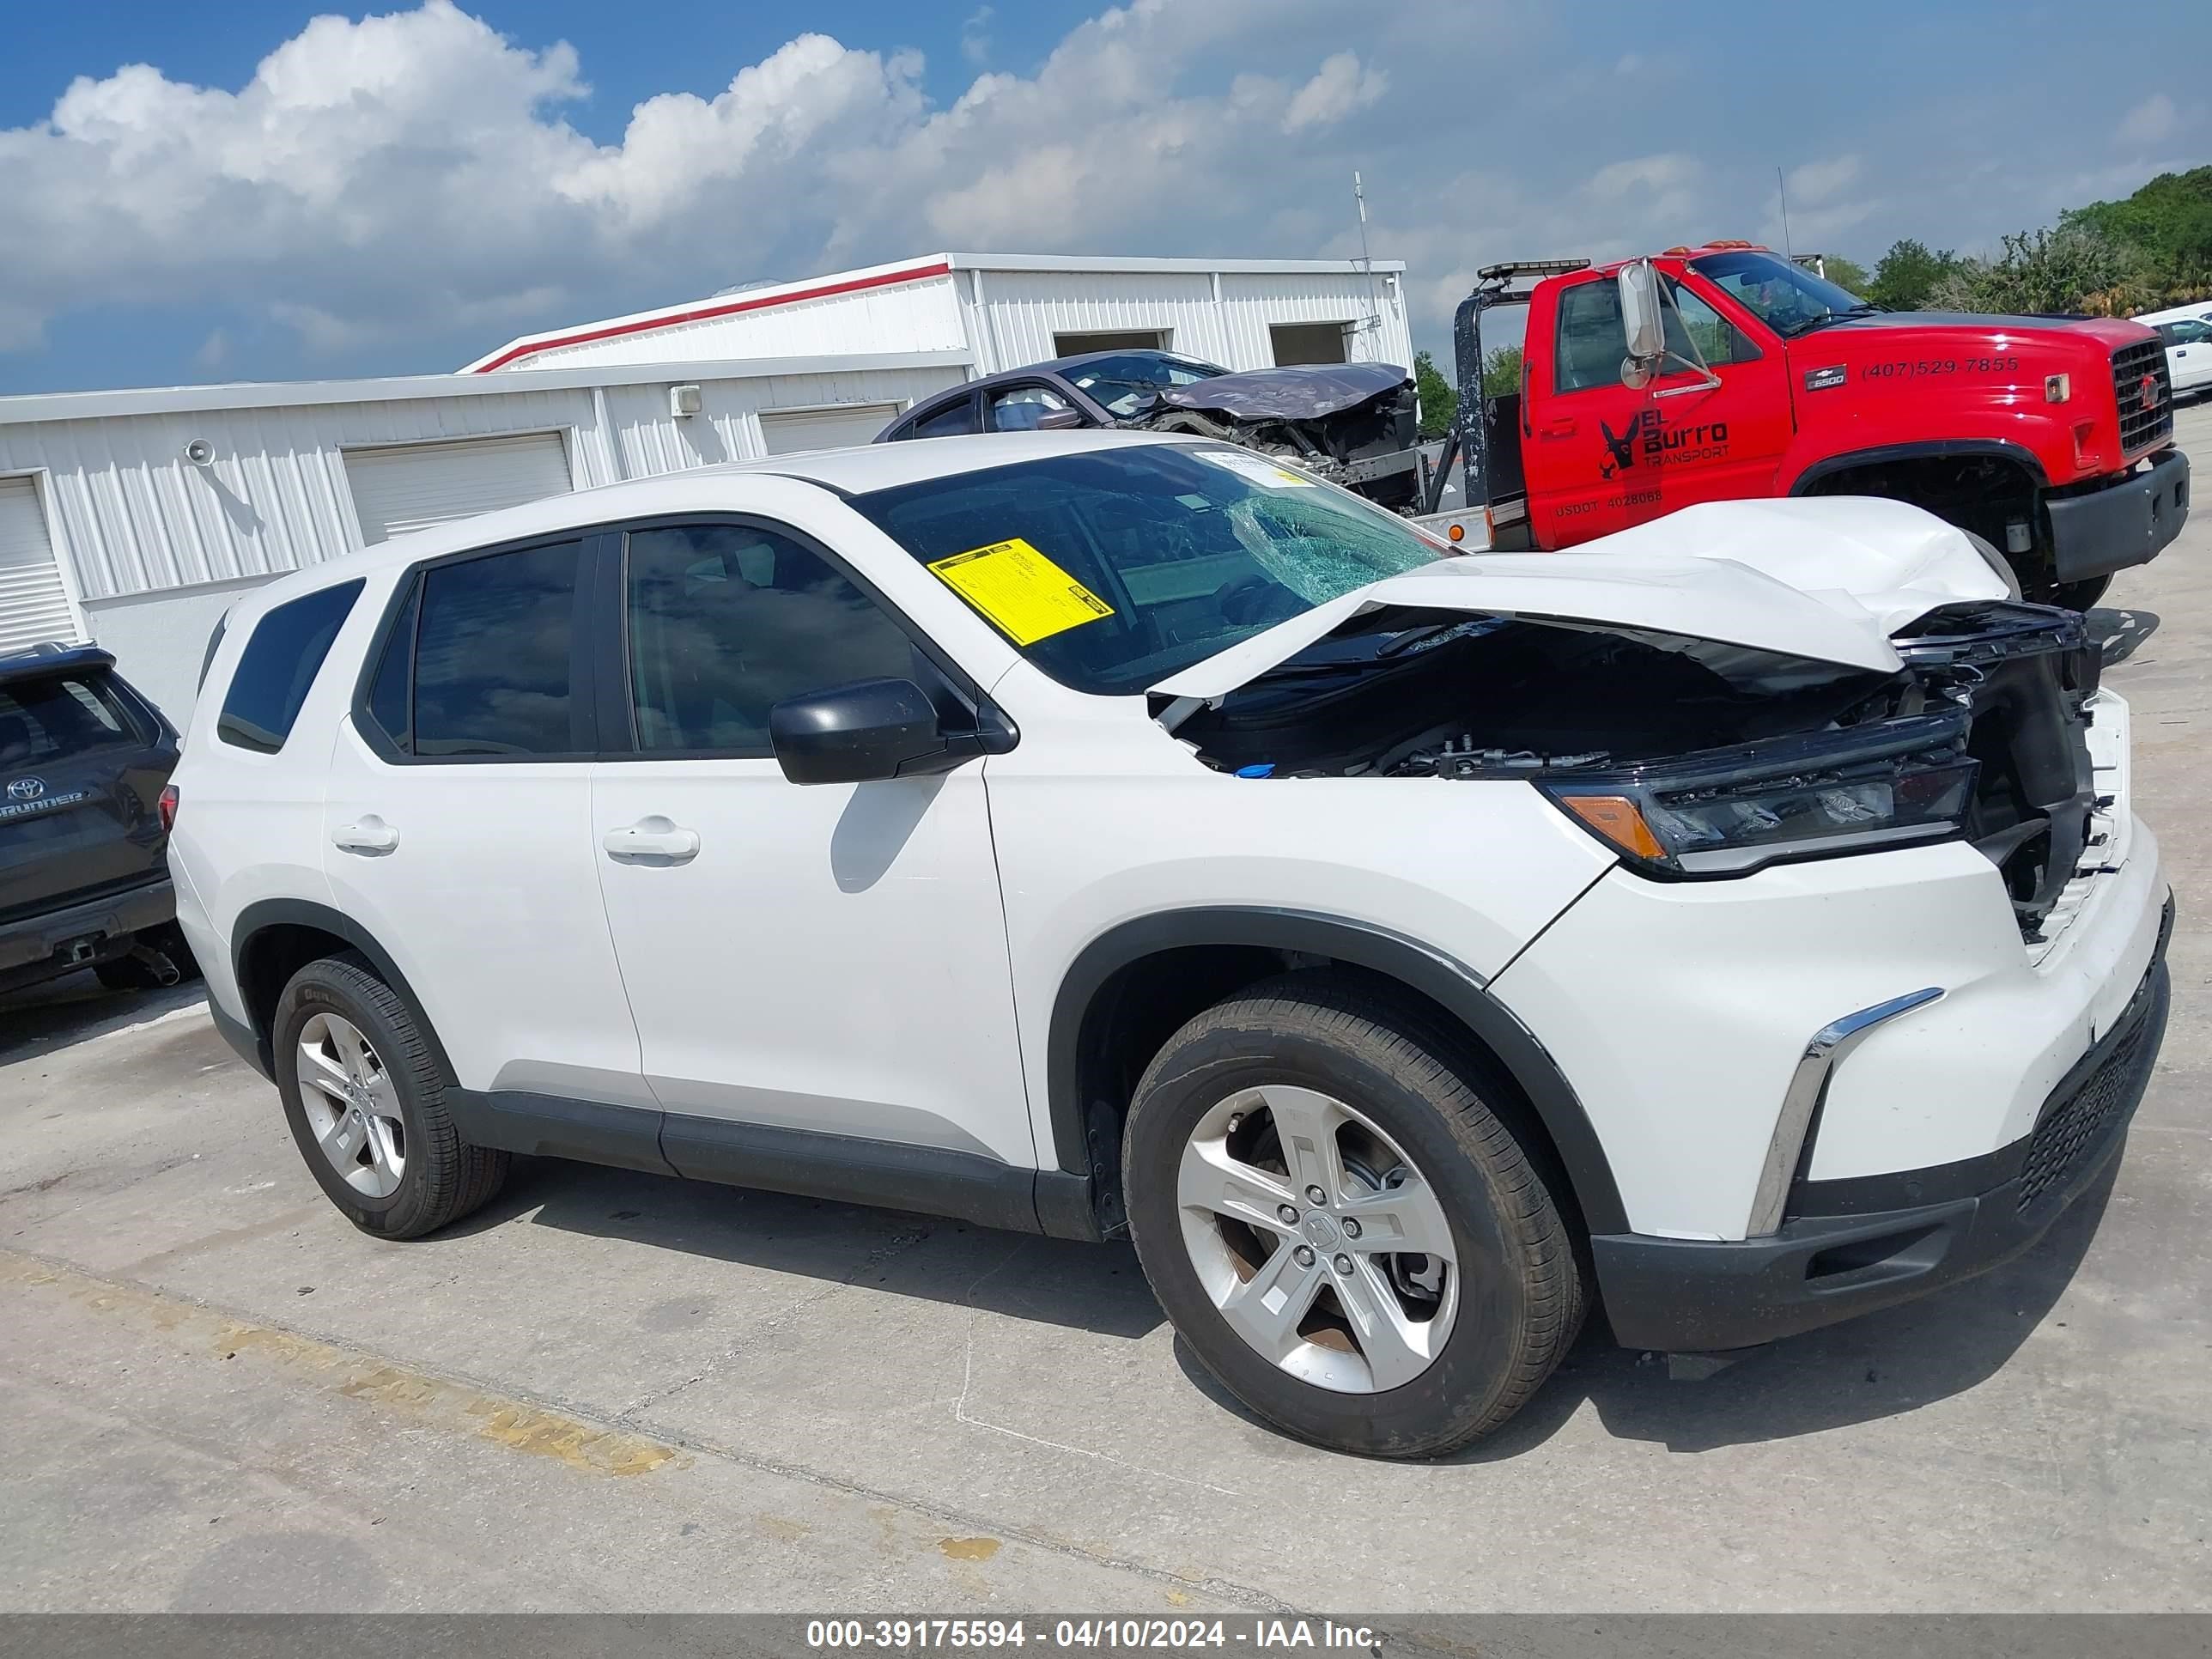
[(653, 841), (368, 835), (1562, 427)]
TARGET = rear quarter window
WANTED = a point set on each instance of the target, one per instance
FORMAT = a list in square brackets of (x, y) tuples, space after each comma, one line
[(43, 721), (278, 667)]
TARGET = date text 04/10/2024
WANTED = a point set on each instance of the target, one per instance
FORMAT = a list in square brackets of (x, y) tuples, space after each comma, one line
[(1261, 1636)]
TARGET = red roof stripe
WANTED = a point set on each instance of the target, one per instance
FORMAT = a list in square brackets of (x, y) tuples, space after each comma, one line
[(730, 308)]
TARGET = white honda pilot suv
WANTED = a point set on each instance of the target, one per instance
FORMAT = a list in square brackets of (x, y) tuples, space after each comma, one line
[(1734, 927)]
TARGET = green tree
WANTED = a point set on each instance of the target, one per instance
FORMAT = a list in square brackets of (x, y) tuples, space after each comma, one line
[(1439, 401), (1501, 372), (1908, 275), (2072, 269), (2164, 232), (1848, 274)]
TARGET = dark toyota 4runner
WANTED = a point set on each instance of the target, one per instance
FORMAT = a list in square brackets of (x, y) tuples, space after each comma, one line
[(84, 837)]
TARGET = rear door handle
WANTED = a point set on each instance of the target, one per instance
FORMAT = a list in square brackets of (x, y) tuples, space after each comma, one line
[(653, 841), (1563, 427), (368, 835)]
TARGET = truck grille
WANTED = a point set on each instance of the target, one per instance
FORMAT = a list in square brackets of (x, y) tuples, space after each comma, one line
[(2075, 1124), (2145, 394)]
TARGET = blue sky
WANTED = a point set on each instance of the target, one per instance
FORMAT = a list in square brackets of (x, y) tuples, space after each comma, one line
[(266, 197)]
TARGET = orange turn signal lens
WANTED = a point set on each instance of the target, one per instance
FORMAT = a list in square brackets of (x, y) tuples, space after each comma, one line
[(1456, 532), (1619, 820)]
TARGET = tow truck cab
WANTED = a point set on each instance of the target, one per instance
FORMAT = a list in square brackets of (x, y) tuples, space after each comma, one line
[(2050, 438)]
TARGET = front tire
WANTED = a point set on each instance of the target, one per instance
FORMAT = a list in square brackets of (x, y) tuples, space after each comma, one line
[(1274, 1149), (366, 1102)]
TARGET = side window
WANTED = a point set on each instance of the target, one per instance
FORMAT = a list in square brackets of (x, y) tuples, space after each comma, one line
[(1019, 409), (1592, 338), (494, 657), (279, 665), (725, 620), (957, 422), (390, 694), (1690, 320)]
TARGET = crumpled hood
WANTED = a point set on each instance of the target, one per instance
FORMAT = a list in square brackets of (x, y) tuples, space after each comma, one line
[(1829, 580), (1286, 394)]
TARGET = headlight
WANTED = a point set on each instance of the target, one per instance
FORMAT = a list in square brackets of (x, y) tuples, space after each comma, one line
[(1730, 811)]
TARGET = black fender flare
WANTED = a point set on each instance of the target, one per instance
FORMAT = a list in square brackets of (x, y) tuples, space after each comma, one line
[(1926, 450), (262, 914), (1451, 985)]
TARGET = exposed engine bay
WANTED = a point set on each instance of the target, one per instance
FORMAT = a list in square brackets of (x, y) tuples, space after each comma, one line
[(1353, 424), (1715, 758)]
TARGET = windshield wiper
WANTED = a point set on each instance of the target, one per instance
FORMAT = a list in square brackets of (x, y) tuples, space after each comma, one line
[(1865, 308), (1413, 638)]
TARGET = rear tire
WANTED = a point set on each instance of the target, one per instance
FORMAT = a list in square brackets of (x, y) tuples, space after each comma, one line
[(384, 1150), (1401, 1087)]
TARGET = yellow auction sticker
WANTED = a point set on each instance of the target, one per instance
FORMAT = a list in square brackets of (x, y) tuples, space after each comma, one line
[(1023, 593)]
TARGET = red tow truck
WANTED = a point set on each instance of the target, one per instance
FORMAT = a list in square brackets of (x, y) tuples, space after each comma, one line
[(1725, 370)]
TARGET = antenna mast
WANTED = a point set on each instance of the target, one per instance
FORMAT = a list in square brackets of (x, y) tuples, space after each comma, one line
[(1366, 260), (1788, 252)]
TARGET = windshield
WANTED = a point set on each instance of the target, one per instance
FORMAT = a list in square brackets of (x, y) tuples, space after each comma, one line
[(1116, 568), (1127, 383), (1788, 298)]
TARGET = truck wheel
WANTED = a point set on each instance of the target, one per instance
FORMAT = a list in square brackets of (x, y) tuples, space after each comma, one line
[(1340, 1227), (367, 1104)]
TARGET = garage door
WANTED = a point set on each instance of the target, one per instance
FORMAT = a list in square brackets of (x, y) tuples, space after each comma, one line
[(34, 604), (407, 487), (787, 431)]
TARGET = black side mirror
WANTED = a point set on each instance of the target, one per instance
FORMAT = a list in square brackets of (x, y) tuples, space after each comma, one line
[(860, 732)]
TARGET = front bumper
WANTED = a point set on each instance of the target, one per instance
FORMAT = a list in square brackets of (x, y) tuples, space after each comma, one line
[(2126, 523), (1851, 1246), (37, 947)]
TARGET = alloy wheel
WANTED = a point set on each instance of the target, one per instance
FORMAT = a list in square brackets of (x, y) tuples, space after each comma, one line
[(351, 1106), (1317, 1239)]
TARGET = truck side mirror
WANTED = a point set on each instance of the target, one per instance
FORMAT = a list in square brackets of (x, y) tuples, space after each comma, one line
[(1640, 315)]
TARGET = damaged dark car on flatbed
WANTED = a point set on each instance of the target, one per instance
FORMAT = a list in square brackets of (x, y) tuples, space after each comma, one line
[(1354, 424)]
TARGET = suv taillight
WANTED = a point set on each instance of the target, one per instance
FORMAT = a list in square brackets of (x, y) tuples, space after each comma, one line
[(169, 808)]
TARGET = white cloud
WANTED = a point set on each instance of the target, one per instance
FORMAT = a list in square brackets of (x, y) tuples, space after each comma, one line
[(2150, 122), (1643, 172), (1817, 182), (976, 36), (381, 184), (1339, 87)]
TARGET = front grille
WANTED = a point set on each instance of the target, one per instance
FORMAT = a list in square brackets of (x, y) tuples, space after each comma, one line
[(2076, 1125), (2146, 413)]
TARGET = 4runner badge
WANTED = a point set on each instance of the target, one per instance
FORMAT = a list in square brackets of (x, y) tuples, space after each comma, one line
[(27, 788)]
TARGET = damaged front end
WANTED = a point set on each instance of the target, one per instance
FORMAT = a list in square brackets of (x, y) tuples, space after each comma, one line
[(1693, 759), (1353, 424)]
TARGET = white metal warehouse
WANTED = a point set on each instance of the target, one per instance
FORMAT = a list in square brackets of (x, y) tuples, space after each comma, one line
[(133, 518), (1004, 310)]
